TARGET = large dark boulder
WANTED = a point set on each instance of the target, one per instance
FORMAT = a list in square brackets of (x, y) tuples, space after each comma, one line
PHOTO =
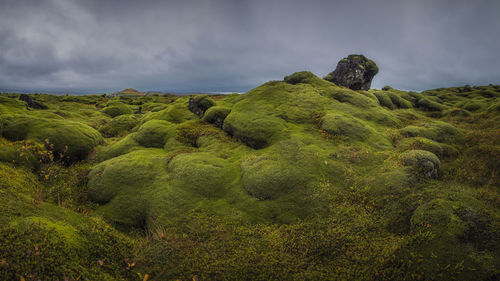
[(355, 72)]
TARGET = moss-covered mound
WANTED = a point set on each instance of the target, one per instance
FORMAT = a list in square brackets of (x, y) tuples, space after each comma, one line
[(176, 112), (268, 179), (119, 125), (53, 243), (199, 104), (203, 173), (121, 182), (298, 179), (117, 108), (423, 163), (154, 133), (436, 130), (70, 141), (254, 130), (216, 115), (344, 126)]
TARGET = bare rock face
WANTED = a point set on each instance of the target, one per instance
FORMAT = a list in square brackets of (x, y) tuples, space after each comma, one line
[(355, 72)]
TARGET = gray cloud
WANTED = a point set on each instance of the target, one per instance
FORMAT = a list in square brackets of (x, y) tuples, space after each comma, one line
[(223, 45)]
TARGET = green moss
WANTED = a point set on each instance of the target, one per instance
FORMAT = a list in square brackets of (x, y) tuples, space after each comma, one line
[(203, 101), (123, 146), (300, 77), (119, 125), (423, 163), (116, 108), (399, 101), (265, 178), (216, 115), (202, 173), (254, 130), (11, 106), (71, 141), (205, 204), (429, 105), (344, 126), (176, 112), (473, 106), (349, 96), (18, 153), (153, 106), (436, 130), (120, 183), (384, 99), (440, 149), (154, 133)]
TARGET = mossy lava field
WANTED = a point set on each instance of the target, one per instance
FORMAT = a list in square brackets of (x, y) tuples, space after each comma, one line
[(299, 179)]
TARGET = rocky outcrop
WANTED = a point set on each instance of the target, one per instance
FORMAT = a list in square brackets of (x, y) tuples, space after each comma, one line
[(30, 103), (199, 104), (355, 72)]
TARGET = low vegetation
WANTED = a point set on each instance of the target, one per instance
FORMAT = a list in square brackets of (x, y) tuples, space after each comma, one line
[(298, 179)]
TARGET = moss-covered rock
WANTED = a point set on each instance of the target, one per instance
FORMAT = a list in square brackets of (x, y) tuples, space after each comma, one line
[(119, 125), (216, 115), (116, 108), (123, 146), (265, 178), (176, 112), (384, 99), (300, 77), (344, 126), (70, 141), (436, 130), (355, 72), (154, 133), (204, 174), (442, 150), (254, 130), (120, 183), (423, 163), (429, 105), (199, 104)]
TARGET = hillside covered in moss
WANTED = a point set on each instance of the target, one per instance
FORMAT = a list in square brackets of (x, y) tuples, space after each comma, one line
[(298, 179)]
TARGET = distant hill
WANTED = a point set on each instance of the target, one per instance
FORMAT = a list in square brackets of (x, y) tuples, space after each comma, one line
[(129, 93)]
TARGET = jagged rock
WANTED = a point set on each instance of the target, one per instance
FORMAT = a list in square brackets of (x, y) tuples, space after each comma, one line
[(355, 72), (199, 104), (30, 103)]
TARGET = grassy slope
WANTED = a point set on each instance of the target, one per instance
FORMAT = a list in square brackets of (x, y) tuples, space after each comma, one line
[(305, 180)]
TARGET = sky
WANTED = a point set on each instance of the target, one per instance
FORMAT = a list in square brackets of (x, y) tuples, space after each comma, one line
[(236, 45)]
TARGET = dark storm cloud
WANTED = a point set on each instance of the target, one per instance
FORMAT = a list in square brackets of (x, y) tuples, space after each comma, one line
[(85, 46)]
